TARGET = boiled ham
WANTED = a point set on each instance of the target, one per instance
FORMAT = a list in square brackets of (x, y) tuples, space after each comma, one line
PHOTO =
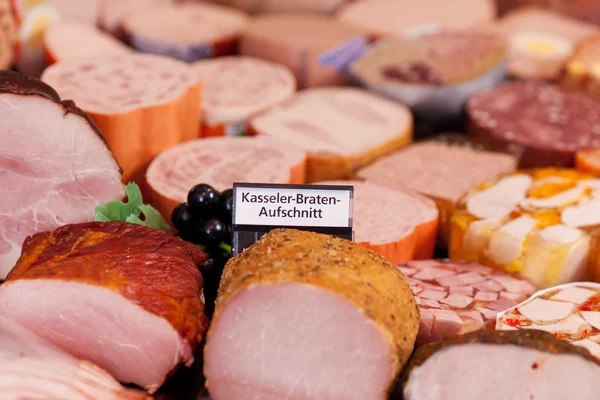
[(142, 103), (123, 296), (32, 368), (220, 162), (456, 298), (398, 224), (62, 42), (309, 316), (237, 88), (112, 12), (342, 129), (188, 32), (54, 165)]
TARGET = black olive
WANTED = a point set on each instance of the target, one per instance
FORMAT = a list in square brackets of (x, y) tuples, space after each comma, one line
[(182, 218), (203, 201)]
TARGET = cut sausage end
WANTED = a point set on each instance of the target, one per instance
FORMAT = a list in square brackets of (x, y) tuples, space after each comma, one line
[(319, 336)]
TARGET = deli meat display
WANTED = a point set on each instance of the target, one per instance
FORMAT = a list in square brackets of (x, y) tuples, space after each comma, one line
[(299, 200)]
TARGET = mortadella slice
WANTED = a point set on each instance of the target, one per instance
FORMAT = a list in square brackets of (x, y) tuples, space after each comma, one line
[(8, 35), (501, 365), (401, 17), (62, 42), (237, 88), (142, 103), (456, 298), (540, 123), (444, 172), (309, 316), (33, 368), (542, 223), (342, 129), (570, 312), (221, 161), (314, 47), (398, 224), (188, 32), (124, 296), (55, 167)]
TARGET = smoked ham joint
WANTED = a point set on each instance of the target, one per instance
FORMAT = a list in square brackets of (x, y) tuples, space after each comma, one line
[(299, 200)]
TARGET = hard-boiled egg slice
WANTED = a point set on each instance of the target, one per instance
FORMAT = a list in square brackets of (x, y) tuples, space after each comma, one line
[(541, 45)]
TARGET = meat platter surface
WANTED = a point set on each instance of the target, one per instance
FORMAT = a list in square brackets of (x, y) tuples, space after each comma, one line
[(179, 181)]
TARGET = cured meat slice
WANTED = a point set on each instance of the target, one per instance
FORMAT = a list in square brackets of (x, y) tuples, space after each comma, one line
[(520, 364), (400, 17), (542, 41), (467, 299), (237, 88), (123, 296), (8, 35), (54, 165), (585, 10), (541, 223), (434, 74), (342, 129), (112, 12), (581, 71), (33, 368), (280, 6), (570, 312), (220, 162), (295, 308), (188, 32), (441, 171), (552, 125), (62, 42), (304, 43), (398, 224), (142, 103)]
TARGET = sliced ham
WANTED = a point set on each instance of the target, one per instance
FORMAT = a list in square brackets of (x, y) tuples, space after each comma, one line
[(303, 315), (539, 223), (188, 32), (570, 312), (467, 294), (304, 43), (63, 41), (32, 368), (123, 296), (400, 17), (398, 224), (112, 12), (142, 103), (220, 162), (8, 35), (54, 165), (234, 89), (501, 365), (342, 129), (441, 171)]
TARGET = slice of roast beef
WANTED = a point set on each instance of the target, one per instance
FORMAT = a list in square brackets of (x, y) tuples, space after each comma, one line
[(123, 296), (54, 165)]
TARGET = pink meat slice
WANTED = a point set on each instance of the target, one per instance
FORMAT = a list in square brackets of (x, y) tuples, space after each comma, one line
[(457, 298), (32, 368), (54, 166), (342, 339)]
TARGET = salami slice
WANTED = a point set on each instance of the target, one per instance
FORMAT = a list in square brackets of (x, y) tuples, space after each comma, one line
[(541, 223), (142, 103), (398, 224), (62, 42), (311, 46), (539, 123), (570, 312), (237, 88), (541, 41), (220, 162), (444, 172), (8, 35), (456, 298), (399, 17), (342, 129), (188, 32)]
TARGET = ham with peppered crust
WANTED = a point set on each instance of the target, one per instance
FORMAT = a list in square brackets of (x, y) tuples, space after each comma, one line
[(123, 296), (54, 165)]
